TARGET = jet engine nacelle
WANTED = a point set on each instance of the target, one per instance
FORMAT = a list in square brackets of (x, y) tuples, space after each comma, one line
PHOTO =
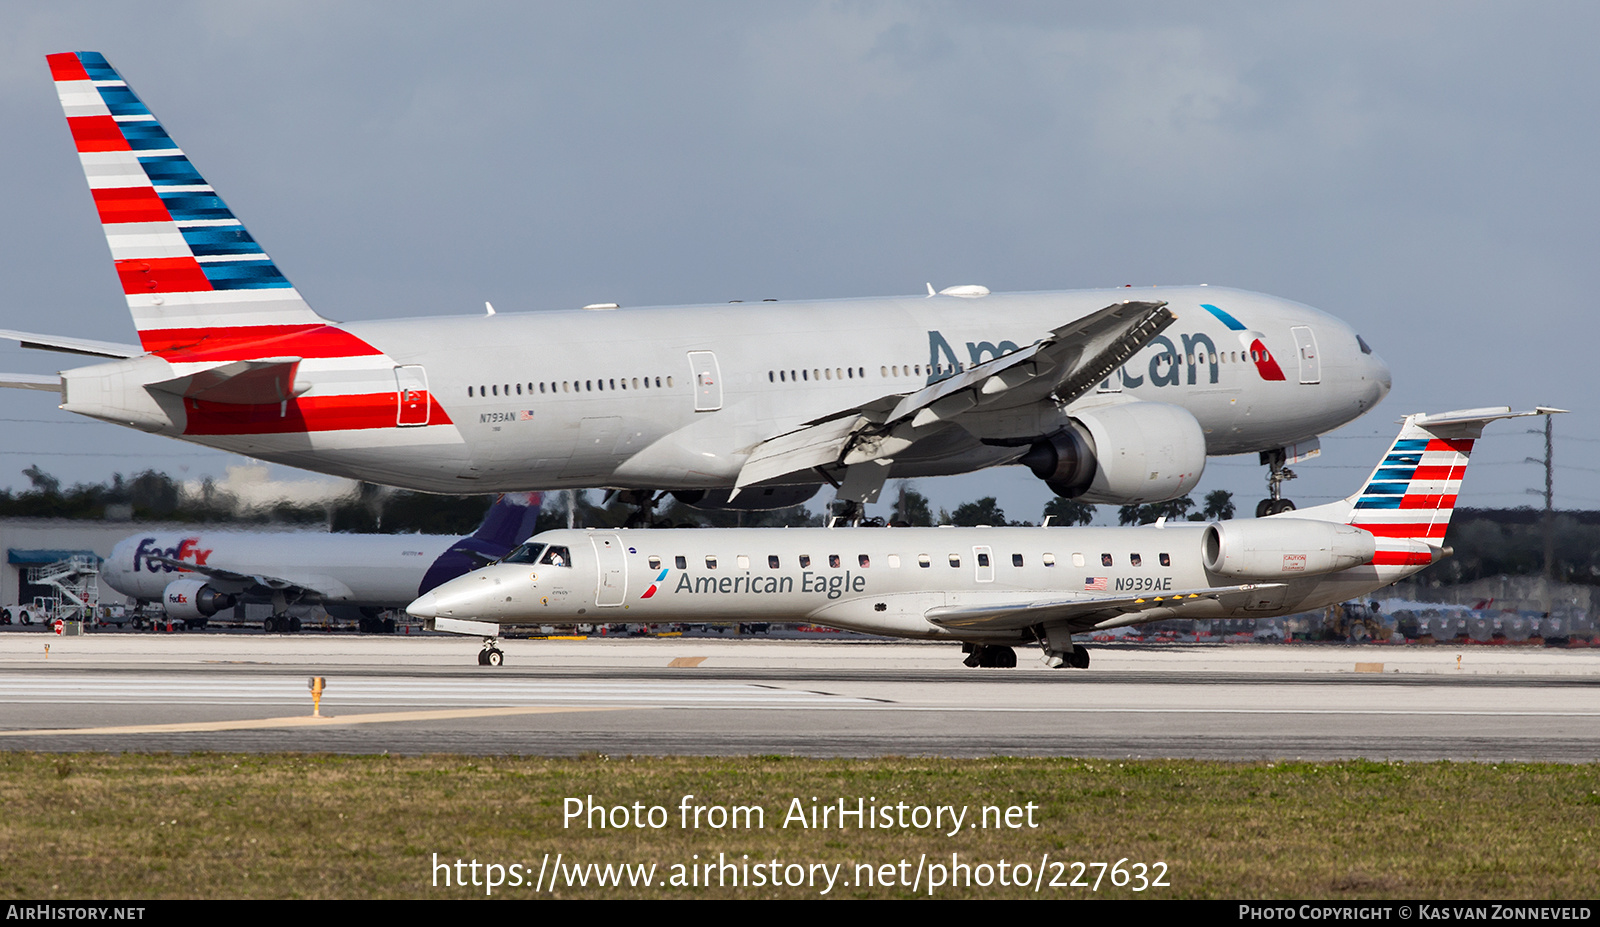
[(1125, 454), (1279, 548), (750, 499), (191, 599)]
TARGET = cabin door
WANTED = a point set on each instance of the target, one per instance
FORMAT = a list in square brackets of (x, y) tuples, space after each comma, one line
[(411, 384), (612, 586), (707, 381), (1305, 344)]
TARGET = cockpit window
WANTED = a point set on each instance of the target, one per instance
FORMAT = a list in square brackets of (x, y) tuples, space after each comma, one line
[(557, 556), (525, 553), (1362, 344)]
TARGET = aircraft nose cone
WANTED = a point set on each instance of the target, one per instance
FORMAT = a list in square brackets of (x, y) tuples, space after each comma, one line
[(426, 606), (1379, 374)]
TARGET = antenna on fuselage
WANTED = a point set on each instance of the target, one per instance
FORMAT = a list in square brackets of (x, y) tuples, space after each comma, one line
[(488, 308)]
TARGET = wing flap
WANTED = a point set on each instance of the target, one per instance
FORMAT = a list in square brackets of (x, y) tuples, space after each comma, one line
[(1060, 367)]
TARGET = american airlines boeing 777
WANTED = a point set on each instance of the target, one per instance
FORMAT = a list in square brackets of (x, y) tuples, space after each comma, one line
[(1109, 395)]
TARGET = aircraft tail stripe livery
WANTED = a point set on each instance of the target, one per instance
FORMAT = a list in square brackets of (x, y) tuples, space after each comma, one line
[(201, 289), (173, 240)]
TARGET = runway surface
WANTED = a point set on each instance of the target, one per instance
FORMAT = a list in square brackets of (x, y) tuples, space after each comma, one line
[(239, 692)]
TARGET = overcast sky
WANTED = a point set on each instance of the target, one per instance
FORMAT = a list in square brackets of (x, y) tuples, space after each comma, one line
[(1424, 171)]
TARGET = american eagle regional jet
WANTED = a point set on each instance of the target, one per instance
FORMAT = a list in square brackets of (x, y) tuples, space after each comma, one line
[(990, 589), (1111, 395)]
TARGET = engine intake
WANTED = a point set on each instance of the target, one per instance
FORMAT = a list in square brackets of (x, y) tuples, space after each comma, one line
[(1124, 454), (191, 599)]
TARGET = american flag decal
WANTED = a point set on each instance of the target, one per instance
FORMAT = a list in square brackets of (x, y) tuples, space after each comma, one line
[(1094, 584)]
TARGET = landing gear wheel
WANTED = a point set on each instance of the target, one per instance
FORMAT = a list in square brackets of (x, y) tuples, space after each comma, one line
[(490, 655), (483, 658), (294, 625), (1273, 507), (1079, 658), (494, 658), (990, 656), (270, 625)]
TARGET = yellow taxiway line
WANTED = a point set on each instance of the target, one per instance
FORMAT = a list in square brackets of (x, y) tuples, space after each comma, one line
[(246, 724)]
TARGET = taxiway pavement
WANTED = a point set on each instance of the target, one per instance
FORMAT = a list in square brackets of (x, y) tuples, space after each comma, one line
[(708, 696)]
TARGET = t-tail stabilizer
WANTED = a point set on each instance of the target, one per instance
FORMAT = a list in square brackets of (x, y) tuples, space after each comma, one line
[(1407, 501)]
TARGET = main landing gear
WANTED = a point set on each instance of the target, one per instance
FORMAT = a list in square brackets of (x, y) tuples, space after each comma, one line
[(1277, 474), (1077, 658), (989, 655), (281, 624), (491, 654)]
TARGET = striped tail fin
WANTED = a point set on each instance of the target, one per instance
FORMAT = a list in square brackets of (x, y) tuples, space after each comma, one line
[(192, 275), (1407, 502)]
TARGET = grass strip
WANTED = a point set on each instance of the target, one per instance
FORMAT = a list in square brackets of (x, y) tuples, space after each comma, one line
[(153, 826)]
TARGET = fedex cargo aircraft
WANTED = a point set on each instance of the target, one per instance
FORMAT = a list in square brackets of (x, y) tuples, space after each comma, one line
[(1114, 395), (197, 574)]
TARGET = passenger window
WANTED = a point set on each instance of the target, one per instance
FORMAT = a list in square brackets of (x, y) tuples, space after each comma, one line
[(1166, 560), (1105, 560), (655, 563), (833, 561), (805, 560), (864, 561), (743, 562), (924, 561), (983, 560), (711, 562), (681, 562), (1135, 559), (772, 561), (955, 560), (894, 561), (1049, 559), (1077, 560), (1016, 560)]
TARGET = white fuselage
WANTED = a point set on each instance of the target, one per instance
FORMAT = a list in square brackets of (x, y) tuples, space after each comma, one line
[(380, 571), (876, 580), (676, 397)]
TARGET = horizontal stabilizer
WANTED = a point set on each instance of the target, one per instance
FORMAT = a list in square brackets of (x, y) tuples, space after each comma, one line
[(251, 382), (48, 382), (1015, 615), (68, 345)]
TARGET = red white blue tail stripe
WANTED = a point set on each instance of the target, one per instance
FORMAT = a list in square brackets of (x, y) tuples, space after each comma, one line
[(203, 293), (186, 263), (1407, 502)]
